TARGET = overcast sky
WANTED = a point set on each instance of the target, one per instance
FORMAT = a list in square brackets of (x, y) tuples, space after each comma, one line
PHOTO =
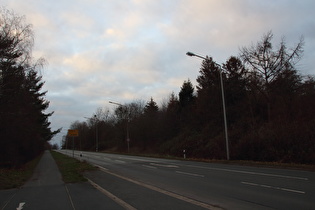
[(126, 50)]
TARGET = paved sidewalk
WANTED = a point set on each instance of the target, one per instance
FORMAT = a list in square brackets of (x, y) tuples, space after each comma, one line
[(46, 190)]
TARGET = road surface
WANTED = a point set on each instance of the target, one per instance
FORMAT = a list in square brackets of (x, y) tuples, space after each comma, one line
[(204, 185)]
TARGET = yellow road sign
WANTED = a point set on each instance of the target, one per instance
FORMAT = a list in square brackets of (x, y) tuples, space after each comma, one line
[(73, 133)]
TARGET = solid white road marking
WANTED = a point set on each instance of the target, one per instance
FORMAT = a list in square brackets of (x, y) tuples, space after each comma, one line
[(174, 195), (191, 174), (272, 187), (112, 196), (70, 198), (20, 206)]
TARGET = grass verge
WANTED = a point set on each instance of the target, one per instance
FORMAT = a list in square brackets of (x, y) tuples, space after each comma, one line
[(70, 168), (13, 178)]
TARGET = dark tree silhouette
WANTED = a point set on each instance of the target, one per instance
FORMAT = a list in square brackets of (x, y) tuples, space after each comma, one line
[(24, 125)]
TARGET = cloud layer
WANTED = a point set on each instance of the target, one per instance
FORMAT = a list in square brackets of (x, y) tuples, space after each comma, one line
[(126, 50)]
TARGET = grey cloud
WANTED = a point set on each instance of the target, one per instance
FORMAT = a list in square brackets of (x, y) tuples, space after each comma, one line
[(127, 50)]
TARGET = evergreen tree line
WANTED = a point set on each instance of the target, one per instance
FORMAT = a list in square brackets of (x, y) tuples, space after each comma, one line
[(269, 107), (24, 126)]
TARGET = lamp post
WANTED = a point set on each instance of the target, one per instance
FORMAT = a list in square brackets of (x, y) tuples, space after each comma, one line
[(223, 104), (127, 134), (96, 131)]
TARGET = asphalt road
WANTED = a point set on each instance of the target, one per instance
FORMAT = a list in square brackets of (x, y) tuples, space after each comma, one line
[(202, 184)]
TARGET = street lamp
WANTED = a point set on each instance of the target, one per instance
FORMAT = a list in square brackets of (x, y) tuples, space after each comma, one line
[(96, 131), (223, 104), (128, 139)]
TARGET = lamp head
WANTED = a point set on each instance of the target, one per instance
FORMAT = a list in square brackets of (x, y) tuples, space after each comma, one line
[(190, 54)]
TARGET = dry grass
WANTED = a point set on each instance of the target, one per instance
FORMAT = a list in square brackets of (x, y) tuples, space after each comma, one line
[(70, 168), (16, 177)]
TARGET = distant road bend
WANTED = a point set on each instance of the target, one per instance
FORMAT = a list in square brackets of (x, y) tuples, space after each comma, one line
[(204, 185)]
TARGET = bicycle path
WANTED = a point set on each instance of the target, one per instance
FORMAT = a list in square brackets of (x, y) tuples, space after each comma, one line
[(46, 190)]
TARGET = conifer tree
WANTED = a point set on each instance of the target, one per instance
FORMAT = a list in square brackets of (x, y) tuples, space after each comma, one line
[(24, 125)]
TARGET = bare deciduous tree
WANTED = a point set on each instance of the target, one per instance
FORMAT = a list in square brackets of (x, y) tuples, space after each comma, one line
[(261, 58), (266, 64)]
